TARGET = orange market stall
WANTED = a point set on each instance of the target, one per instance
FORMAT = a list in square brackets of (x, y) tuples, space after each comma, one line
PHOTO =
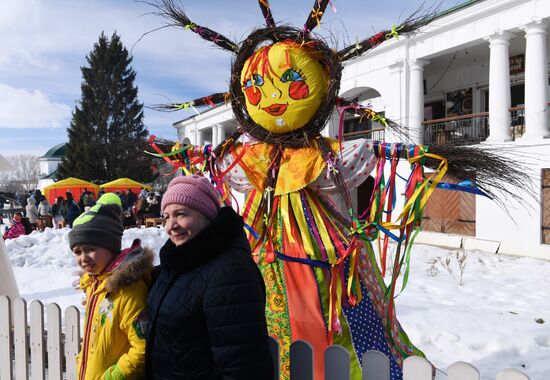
[(73, 185), (123, 184)]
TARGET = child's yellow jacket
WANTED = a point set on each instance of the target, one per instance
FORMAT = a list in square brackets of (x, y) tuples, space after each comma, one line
[(113, 345)]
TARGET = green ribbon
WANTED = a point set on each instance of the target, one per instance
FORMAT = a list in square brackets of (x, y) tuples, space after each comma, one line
[(394, 32), (184, 105), (380, 119)]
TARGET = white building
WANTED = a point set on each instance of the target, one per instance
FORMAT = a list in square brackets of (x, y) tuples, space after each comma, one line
[(477, 71), (49, 163)]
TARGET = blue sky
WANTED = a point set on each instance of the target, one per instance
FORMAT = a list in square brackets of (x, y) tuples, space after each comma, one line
[(43, 44)]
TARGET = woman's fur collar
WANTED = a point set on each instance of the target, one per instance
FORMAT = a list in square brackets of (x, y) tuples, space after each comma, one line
[(209, 243)]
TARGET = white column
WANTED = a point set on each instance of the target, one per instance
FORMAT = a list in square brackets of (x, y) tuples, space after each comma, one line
[(195, 132), (536, 81), (499, 87), (396, 90), (416, 100), (215, 135), (221, 133)]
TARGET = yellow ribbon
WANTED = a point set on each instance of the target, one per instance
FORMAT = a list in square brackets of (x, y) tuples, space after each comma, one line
[(353, 275), (377, 118), (317, 14), (356, 230), (285, 210), (323, 232), (184, 105), (435, 178), (226, 97), (300, 217), (394, 32)]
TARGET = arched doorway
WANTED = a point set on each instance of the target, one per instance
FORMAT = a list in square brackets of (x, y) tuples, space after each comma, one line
[(354, 127)]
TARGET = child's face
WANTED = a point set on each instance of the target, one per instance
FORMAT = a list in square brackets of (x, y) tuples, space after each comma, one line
[(93, 259)]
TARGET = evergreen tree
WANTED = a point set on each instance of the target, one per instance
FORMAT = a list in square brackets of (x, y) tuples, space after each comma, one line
[(107, 136)]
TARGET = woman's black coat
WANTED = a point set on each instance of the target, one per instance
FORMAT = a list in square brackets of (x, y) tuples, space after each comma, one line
[(207, 308)]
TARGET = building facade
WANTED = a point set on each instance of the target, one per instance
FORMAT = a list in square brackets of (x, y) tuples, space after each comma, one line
[(477, 72), (49, 163)]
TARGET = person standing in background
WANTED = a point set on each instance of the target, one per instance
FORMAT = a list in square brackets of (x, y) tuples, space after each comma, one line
[(59, 211), (31, 212)]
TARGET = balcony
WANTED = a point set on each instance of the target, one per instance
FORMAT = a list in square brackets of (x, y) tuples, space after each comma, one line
[(517, 128), (472, 128), (370, 134), (466, 128)]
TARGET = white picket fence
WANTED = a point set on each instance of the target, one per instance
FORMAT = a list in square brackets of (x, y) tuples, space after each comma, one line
[(32, 349)]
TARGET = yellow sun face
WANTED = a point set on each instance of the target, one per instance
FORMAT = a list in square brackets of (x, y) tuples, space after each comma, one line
[(284, 86)]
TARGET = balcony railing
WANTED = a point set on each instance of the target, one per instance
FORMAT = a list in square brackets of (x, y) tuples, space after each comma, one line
[(517, 115), (472, 128), (370, 134)]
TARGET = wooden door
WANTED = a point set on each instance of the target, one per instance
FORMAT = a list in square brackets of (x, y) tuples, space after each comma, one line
[(452, 212)]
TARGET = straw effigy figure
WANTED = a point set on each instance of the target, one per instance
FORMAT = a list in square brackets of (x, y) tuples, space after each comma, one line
[(324, 281)]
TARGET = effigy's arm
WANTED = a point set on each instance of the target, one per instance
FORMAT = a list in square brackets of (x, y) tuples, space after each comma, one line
[(222, 163), (354, 160)]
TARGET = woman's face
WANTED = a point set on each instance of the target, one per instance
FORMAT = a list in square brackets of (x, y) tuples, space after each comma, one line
[(183, 223)]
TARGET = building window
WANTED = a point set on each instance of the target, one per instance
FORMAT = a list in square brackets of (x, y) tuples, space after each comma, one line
[(354, 123)]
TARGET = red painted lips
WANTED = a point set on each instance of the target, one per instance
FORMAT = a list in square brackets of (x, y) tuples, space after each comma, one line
[(276, 109)]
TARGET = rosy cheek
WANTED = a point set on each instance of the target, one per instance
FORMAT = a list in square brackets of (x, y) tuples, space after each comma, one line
[(298, 90), (253, 94)]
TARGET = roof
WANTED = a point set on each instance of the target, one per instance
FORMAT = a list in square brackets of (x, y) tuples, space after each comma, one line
[(52, 175), (71, 182), (457, 7), (57, 151), (124, 183)]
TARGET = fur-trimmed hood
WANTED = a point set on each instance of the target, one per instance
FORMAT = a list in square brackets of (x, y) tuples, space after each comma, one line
[(127, 268)]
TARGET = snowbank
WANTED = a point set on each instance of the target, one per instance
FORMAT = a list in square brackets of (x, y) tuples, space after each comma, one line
[(494, 313)]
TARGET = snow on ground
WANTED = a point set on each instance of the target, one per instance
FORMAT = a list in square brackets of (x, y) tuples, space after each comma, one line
[(496, 315)]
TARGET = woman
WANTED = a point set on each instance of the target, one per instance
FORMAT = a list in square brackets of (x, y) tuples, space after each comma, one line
[(73, 211), (45, 212), (206, 308), (31, 212), (59, 211)]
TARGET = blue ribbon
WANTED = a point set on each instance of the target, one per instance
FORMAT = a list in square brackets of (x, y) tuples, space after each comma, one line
[(252, 232), (465, 186), (390, 234), (313, 263)]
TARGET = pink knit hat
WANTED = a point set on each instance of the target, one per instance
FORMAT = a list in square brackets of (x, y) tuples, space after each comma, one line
[(193, 191)]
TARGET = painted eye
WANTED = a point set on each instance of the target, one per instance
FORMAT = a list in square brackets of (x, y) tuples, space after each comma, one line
[(256, 80), (290, 75)]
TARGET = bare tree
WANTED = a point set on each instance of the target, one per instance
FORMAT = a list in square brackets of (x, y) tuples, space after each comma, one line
[(24, 175)]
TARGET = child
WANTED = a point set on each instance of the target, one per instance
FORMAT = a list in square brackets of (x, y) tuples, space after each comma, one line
[(116, 287), (17, 228)]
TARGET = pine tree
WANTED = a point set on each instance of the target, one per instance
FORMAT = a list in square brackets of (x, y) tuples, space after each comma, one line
[(107, 136)]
